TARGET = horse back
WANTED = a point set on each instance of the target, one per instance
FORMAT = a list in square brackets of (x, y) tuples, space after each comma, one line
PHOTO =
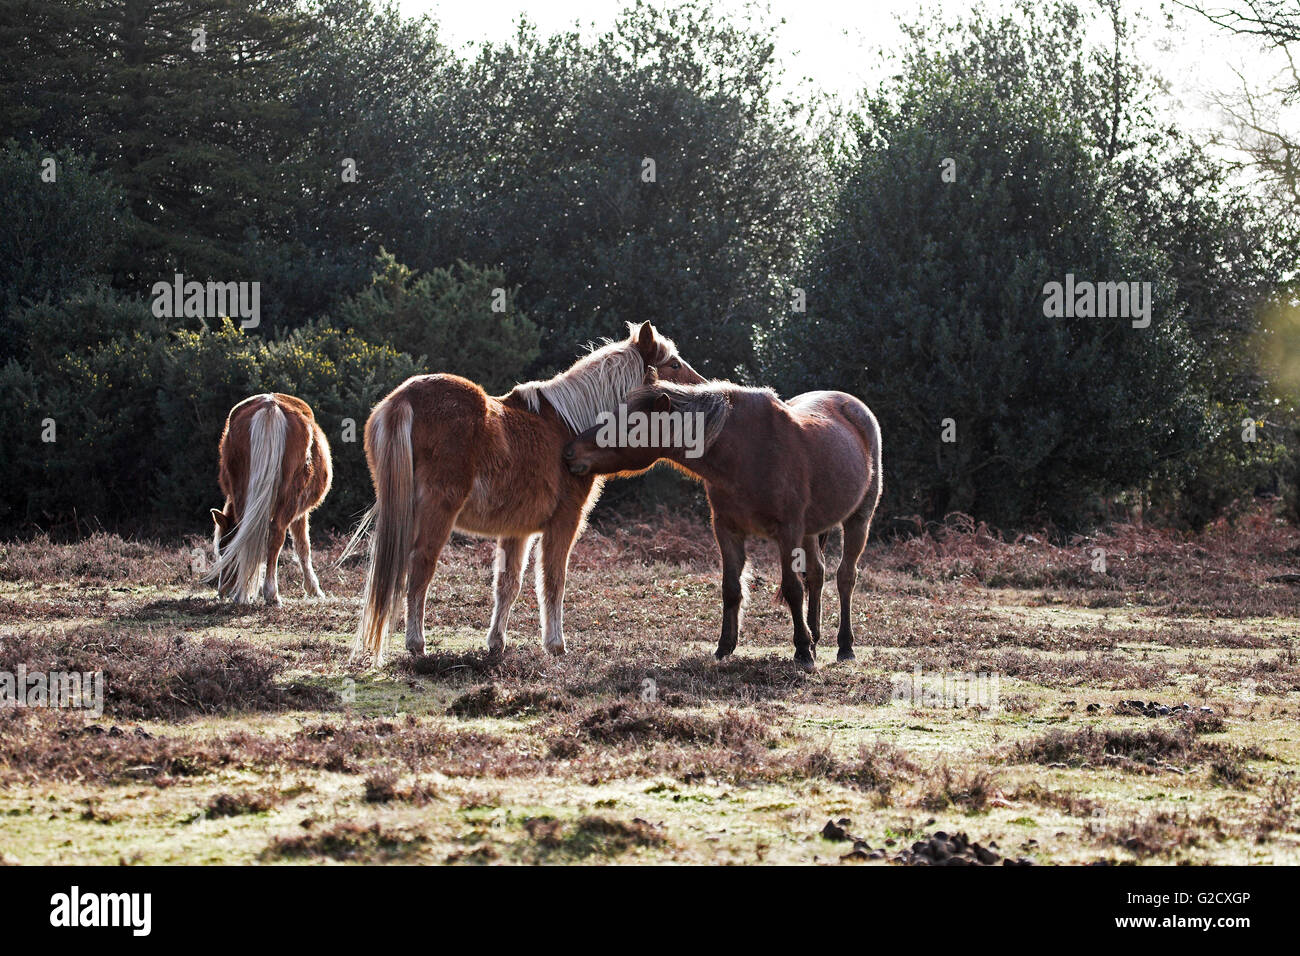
[(306, 470)]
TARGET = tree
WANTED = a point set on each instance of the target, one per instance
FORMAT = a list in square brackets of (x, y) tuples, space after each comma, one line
[(647, 174), (927, 299), (178, 101)]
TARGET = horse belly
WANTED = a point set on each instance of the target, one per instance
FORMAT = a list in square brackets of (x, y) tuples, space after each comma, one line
[(500, 509)]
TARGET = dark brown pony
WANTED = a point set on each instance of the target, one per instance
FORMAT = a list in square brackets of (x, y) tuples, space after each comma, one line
[(788, 471), (443, 454), (275, 468)]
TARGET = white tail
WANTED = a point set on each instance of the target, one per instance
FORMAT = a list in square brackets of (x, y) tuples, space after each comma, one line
[(245, 556), (388, 438)]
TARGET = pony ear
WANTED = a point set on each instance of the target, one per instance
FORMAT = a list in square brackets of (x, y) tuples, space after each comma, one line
[(651, 376), (219, 519), (645, 339), (663, 402)]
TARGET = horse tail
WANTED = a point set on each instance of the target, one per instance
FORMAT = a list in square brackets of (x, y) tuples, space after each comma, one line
[(244, 558), (388, 446), (876, 487)]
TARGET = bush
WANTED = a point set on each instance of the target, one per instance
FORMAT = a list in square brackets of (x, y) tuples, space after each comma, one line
[(138, 419), (446, 318)]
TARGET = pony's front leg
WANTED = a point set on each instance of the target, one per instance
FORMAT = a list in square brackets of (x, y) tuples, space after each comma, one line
[(507, 576), (814, 577), (557, 541), (793, 592), (732, 548)]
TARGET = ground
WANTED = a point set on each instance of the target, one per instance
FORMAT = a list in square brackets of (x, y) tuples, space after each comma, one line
[(244, 734)]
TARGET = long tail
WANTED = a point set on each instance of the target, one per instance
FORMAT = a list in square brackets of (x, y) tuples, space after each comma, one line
[(244, 557), (877, 470), (388, 439)]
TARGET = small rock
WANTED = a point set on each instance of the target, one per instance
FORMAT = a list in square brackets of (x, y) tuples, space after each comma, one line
[(833, 831)]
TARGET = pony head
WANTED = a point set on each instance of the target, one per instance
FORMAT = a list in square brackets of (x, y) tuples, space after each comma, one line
[(660, 355), (659, 420)]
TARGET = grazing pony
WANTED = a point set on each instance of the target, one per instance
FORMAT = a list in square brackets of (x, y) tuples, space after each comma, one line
[(443, 454), (788, 471), (275, 468)]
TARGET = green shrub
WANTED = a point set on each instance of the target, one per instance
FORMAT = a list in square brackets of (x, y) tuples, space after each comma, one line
[(446, 318), (138, 419)]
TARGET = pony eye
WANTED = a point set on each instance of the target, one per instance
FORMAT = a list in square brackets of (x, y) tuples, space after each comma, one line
[(675, 364)]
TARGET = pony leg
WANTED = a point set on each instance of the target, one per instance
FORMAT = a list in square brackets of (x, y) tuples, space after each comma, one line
[(302, 547), (274, 543), (814, 576), (732, 548), (855, 539), (557, 542), (507, 575), (434, 530), (792, 590)]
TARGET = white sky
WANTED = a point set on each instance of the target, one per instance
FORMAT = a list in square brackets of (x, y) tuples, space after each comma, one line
[(840, 44)]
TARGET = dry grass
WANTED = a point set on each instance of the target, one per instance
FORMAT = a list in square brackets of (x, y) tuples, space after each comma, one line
[(248, 728)]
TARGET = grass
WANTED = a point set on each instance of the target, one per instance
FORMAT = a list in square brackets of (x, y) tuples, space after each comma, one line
[(244, 734)]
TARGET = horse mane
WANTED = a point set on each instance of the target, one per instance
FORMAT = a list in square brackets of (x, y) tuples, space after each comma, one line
[(597, 382), (712, 400)]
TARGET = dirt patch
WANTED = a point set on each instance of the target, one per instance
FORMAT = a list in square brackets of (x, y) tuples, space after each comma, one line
[(590, 836), (1130, 749), (491, 701), (348, 843), (151, 676)]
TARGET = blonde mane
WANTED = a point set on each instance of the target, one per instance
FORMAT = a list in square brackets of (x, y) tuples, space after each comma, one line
[(595, 383)]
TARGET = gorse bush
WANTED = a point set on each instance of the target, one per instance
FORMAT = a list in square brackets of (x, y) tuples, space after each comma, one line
[(461, 320), (137, 421)]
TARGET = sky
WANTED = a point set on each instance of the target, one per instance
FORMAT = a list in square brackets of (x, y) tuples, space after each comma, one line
[(840, 46)]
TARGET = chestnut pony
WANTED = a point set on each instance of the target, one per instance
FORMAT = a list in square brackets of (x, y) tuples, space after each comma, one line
[(275, 468), (788, 471), (443, 454)]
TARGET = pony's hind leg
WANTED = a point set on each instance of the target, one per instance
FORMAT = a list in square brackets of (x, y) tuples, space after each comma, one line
[(855, 539), (274, 543), (302, 547), (507, 576), (814, 576), (732, 548), (434, 528)]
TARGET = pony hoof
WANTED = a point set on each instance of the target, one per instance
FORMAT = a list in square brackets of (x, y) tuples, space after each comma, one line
[(555, 650), (722, 653), (845, 654), (805, 662), (416, 648)]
